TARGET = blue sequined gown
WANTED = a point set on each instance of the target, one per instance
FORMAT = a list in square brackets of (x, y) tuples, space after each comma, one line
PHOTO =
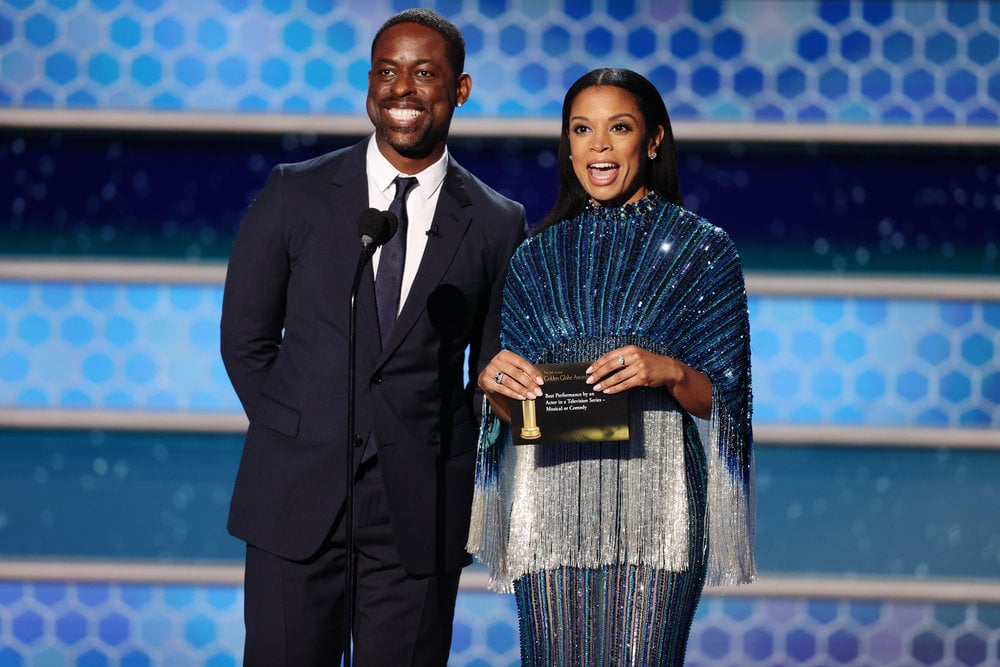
[(607, 546)]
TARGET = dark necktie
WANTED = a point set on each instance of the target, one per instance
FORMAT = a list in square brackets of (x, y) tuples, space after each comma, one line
[(390, 264)]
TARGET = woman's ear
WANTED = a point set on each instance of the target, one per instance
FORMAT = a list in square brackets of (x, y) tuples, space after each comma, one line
[(654, 142)]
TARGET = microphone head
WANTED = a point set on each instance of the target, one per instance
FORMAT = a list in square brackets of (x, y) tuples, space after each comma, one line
[(376, 227), (393, 224)]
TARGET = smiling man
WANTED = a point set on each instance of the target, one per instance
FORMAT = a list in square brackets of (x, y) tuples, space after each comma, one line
[(421, 305)]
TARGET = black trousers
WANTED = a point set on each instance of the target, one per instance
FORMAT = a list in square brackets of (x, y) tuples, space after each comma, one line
[(294, 611)]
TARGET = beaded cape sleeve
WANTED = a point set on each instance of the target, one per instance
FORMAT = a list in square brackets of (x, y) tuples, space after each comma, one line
[(658, 276)]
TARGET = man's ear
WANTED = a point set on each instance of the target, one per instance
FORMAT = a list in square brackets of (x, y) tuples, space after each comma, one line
[(464, 88)]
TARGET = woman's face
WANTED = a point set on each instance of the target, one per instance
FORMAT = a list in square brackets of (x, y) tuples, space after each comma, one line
[(609, 145)]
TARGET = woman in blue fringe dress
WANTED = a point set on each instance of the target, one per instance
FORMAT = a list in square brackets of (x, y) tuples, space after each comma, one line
[(607, 545)]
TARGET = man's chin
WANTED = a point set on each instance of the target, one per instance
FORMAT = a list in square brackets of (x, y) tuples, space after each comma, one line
[(408, 145)]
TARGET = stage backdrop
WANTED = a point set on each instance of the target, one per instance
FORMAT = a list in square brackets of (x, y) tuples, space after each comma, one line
[(914, 63), (877, 394)]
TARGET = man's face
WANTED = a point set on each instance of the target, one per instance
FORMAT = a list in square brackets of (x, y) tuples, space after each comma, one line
[(412, 93)]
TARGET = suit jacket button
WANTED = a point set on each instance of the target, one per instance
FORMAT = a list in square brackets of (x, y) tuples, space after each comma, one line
[(358, 441), (377, 378)]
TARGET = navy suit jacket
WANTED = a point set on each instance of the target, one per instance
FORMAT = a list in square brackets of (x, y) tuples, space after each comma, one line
[(285, 318)]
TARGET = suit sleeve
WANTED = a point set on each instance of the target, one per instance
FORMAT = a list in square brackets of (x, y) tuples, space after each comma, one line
[(253, 302), (489, 344)]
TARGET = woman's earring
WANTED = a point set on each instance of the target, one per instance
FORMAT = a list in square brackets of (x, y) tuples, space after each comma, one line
[(652, 156)]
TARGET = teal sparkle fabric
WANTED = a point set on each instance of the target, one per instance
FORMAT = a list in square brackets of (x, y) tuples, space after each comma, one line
[(660, 277)]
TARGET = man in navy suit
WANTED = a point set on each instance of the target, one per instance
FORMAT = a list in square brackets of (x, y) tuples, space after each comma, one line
[(285, 347)]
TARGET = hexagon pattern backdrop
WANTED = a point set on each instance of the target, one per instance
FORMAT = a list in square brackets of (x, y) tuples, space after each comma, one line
[(917, 62), (826, 361), (181, 625)]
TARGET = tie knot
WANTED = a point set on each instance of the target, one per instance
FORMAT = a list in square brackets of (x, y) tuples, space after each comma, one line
[(398, 204), (403, 185)]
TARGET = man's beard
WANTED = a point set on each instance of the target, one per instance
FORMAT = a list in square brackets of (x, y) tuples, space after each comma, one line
[(414, 141)]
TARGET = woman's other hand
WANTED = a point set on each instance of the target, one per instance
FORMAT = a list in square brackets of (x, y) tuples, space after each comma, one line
[(632, 366)]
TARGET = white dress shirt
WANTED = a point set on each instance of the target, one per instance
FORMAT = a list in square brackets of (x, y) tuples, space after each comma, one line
[(421, 202)]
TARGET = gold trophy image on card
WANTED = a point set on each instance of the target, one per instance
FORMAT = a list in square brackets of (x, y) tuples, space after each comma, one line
[(530, 430), (569, 411)]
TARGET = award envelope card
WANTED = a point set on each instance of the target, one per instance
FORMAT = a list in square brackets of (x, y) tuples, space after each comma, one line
[(569, 410)]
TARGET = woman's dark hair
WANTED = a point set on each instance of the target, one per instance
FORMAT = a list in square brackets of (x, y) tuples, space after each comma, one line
[(454, 42), (661, 173)]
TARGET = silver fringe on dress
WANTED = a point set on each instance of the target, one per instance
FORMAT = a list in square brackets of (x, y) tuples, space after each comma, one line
[(590, 504)]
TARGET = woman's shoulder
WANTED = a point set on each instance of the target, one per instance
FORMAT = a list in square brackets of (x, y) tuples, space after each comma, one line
[(695, 223)]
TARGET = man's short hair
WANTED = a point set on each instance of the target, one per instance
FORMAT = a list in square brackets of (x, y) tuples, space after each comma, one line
[(454, 42)]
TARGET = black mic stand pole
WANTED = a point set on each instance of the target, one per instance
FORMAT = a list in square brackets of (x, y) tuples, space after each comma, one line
[(367, 250)]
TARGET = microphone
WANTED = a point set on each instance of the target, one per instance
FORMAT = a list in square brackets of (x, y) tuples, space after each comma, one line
[(433, 231), (376, 227)]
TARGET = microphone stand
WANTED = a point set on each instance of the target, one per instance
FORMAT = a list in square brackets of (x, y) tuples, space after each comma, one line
[(367, 250)]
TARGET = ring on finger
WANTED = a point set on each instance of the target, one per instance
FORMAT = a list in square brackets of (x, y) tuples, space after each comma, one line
[(498, 377), (621, 359)]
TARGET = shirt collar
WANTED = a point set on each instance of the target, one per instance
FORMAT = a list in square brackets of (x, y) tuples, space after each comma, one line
[(382, 173)]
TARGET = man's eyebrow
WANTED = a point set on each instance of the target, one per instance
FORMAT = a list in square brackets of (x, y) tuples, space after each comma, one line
[(395, 61)]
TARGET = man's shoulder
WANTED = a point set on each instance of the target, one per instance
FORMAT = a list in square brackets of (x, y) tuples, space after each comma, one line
[(338, 166), (481, 193), (326, 161)]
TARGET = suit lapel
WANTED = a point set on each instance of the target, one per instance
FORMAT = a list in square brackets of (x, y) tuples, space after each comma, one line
[(451, 219)]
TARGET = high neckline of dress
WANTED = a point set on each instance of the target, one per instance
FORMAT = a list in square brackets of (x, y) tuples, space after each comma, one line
[(644, 205)]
